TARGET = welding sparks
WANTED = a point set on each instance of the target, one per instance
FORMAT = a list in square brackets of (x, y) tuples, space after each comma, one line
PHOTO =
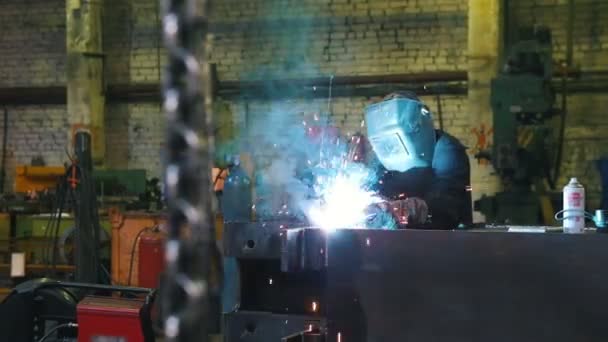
[(343, 201)]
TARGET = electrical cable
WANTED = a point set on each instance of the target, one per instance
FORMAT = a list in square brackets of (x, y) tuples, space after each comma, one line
[(133, 251), (439, 111), (4, 142), (562, 128), (54, 225), (57, 327), (87, 245), (565, 67), (51, 231), (61, 200), (219, 175), (89, 181)]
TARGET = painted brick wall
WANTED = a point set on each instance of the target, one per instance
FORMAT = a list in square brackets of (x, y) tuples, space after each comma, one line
[(32, 42), (306, 38), (288, 38), (590, 31), (32, 132), (282, 39), (251, 40), (135, 135), (131, 41), (32, 54), (587, 122), (347, 113)]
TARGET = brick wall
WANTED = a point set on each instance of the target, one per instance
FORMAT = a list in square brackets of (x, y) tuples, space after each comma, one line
[(32, 46), (32, 42), (590, 31), (284, 39), (276, 39), (289, 38), (131, 41), (135, 135), (32, 132)]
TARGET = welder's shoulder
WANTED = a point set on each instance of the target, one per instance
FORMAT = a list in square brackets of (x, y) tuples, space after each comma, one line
[(448, 141), (450, 154)]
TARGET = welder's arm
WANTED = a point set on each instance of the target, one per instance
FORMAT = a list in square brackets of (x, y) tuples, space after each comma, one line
[(444, 209), (447, 193)]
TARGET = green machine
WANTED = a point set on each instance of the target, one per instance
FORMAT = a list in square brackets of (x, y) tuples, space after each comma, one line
[(522, 101)]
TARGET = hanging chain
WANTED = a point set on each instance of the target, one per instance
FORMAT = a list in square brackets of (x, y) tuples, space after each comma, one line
[(190, 292)]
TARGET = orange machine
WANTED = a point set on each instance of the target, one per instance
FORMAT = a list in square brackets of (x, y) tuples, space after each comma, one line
[(126, 228), (36, 178)]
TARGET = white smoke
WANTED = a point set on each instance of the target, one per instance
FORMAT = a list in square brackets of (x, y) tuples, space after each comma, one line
[(299, 177)]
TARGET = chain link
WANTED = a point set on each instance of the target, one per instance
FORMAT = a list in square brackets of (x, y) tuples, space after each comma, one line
[(189, 294)]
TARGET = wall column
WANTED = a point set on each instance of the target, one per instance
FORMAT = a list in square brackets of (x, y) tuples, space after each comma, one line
[(484, 51), (85, 88)]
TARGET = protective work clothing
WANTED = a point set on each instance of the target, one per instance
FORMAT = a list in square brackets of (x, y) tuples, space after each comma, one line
[(420, 170)]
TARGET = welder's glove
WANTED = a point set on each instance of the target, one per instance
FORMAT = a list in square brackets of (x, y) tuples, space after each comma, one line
[(411, 211), (378, 217)]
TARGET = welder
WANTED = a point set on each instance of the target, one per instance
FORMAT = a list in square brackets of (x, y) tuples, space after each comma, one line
[(423, 172)]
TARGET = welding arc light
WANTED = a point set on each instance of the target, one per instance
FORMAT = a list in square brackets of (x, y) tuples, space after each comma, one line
[(345, 200)]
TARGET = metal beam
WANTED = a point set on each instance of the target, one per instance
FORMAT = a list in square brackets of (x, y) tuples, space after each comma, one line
[(346, 86)]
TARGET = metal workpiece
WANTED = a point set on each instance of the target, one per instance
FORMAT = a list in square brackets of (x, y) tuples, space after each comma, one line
[(465, 286), (255, 240), (413, 285), (264, 287), (303, 249)]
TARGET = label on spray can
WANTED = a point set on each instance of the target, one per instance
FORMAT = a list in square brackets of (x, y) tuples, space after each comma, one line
[(574, 207)]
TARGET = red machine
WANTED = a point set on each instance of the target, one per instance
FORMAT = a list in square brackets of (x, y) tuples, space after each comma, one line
[(151, 259), (113, 319)]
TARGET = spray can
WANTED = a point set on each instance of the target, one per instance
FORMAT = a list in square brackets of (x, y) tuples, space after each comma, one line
[(574, 207)]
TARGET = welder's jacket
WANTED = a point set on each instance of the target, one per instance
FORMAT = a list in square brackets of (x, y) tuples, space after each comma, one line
[(445, 186)]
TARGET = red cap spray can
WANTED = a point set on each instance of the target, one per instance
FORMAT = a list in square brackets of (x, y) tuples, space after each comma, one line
[(574, 207)]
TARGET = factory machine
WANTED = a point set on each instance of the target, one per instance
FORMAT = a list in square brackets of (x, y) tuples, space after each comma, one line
[(523, 151), (88, 308)]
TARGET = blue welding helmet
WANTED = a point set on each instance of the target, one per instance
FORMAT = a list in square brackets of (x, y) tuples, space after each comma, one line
[(400, 130)]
